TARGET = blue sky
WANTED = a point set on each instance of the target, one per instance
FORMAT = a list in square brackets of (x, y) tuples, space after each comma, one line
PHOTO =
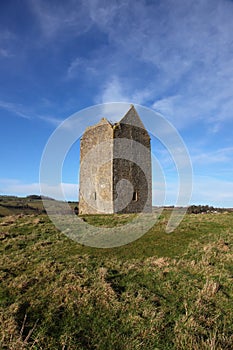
[(173, 56)]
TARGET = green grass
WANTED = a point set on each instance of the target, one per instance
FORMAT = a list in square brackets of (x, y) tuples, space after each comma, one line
[(10, 205), (163, 291)]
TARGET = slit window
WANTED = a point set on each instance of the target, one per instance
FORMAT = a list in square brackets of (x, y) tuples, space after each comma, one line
[(95, 196), (135, 196)]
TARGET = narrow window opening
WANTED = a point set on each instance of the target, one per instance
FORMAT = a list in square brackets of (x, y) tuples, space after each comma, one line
[(95, 196), (135, 196)]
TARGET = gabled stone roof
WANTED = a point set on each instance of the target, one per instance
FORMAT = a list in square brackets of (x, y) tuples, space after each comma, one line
[(132, 118)]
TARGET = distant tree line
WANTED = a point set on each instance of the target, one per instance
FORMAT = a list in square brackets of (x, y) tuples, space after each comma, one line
[(197, 209)]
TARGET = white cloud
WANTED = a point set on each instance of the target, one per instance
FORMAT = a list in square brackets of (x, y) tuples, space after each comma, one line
[(18, 188), (186, 45), (175, 56), (103, 13), (117, 90), (114, 111), (168, 107), (222, 155), (206, 190), (15, 109), (113, 91), (24, 112), (212, 191), (51, 120), (74, 66), (61, 19)]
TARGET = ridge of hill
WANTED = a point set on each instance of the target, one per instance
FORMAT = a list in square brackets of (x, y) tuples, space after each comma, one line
[(33, 204)]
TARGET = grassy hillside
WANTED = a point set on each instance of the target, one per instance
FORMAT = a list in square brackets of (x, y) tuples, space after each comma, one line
[(10, 205), (163, 291)]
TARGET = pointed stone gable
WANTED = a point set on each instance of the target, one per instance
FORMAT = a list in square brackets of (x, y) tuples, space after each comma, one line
[(132, 118)]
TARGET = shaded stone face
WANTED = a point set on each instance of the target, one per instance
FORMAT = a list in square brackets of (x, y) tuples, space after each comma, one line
[(127, 170), (115, 168)]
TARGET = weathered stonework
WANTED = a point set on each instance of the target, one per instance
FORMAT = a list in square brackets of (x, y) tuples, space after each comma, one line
[(111, 158)]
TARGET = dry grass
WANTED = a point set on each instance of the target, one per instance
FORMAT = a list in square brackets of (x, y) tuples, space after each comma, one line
[(56, 294)]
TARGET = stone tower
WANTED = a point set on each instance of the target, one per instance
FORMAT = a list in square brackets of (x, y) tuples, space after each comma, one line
[(115, 167)]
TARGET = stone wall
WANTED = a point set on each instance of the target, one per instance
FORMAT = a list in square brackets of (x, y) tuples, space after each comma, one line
[(133, 143), (95, 181)]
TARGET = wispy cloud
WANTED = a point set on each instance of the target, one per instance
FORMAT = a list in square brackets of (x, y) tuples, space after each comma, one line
[(117, 90), (185, 46), (222, 155), (60, 19), (173, 56), (14, 108), (113, 91), (23, 112), (186, 54), (5, 53), (74, 67), (80, 66), (51, 120)]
